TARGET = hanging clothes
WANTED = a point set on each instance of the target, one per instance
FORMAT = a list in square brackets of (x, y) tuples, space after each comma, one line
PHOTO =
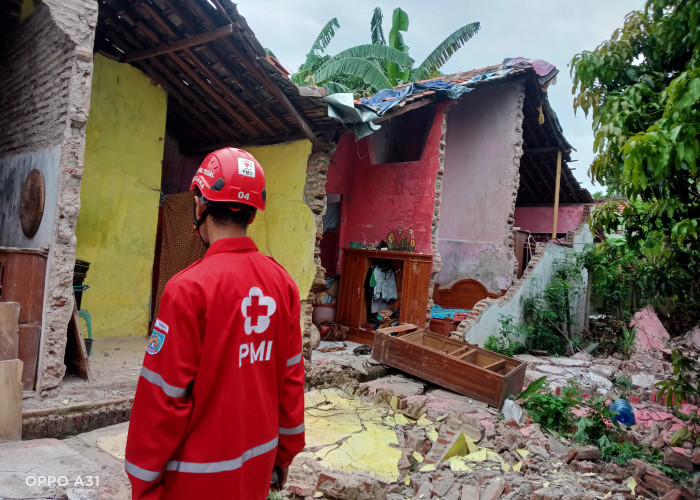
[(385, 288)]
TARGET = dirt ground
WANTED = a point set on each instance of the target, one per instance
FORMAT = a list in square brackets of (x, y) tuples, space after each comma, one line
[(114, 367)]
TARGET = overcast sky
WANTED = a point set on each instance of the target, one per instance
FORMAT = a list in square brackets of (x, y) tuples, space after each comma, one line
[(553, 30)]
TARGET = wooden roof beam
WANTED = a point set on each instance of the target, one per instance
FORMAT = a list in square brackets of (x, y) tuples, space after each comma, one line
[(208, 24), (185, 67), (262, 76), (164, 79), (182, 44)]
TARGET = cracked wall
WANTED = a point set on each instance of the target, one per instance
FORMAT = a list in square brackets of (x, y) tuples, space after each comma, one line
[(119, 196), (46, 73), (479, 187), (483, 320)]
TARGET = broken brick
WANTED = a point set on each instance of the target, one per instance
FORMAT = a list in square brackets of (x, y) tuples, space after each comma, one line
[(672, 495), (470, 492), (493, 490), (588, 452), (584, 467), (674, 459)]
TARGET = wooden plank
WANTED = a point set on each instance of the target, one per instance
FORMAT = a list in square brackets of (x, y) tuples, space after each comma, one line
[(29, 342), (407, 327), (557, 182), (188, 42), (76, 358), (9, 330), (495, 366), (414, 292), (23, 277), (11, 400)]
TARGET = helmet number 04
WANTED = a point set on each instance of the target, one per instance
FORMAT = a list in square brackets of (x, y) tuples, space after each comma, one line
[(243, 196)]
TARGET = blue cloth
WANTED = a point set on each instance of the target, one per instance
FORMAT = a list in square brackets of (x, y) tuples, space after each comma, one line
[(438, 312), (379, 105)]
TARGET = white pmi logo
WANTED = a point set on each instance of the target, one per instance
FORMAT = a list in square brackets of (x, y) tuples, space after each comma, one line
[(257, 309), (246, 167)]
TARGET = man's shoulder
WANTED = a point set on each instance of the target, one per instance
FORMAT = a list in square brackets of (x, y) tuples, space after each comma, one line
[(185, 276)]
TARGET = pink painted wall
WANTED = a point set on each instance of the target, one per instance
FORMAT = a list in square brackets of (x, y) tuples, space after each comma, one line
[(379, 198), (484, 131), (540, 219)]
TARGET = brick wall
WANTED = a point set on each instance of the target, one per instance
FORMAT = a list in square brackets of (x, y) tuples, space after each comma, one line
[(46, 75)]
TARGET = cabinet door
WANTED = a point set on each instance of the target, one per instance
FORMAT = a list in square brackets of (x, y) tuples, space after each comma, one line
[(352, 310), (414, 295)]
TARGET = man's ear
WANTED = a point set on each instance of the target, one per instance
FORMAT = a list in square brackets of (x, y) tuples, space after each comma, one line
[(199, 206), (252, 217)]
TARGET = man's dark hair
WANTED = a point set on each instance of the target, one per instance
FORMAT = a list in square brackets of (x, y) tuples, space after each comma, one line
[(237, 213)]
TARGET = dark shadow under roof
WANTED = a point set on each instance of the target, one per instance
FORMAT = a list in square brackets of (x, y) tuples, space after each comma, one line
[(223, 88)]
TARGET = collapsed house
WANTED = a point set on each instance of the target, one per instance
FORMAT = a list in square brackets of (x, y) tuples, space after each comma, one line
[(115, 105), (471, 172), (112, 108)]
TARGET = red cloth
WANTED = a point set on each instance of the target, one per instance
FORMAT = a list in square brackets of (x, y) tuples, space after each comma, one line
[(220, 399)]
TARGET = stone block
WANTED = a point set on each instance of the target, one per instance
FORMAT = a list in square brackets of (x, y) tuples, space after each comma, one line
[(345, 486), (470, 492), (589, 452)]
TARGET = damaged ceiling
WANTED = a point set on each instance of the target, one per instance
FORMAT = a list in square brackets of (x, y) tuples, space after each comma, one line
[(223, 87)]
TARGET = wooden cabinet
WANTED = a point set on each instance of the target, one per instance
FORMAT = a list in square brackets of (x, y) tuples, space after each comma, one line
[(22, 276), (413, 280)]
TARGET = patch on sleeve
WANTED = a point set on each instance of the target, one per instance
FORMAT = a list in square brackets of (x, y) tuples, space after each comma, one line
[(160, 325), (155, 343)]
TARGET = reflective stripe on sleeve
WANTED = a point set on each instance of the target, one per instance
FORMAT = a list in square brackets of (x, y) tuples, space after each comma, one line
[(294, 430), (224, 465), (155, 378), (142, 474), (293, 361)]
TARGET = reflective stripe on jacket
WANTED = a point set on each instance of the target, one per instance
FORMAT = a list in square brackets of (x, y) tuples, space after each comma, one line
[(220, 397)]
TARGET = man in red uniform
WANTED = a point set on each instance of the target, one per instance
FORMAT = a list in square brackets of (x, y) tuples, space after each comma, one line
[(220, 400)]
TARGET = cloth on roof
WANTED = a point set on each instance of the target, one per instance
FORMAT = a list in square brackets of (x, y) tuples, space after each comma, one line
[(544, 70), (384, 100), (342, 107), (438, 312)]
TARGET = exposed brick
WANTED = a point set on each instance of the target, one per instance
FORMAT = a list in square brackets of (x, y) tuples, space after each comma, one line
[(673, 459)]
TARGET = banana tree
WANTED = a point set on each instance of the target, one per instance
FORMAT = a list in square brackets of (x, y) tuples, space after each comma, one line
[(365, 69)]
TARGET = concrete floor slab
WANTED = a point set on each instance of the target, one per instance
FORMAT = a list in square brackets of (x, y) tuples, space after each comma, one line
[(42, 469)]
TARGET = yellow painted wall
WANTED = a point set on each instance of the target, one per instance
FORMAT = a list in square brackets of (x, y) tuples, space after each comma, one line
[(119, 197), (286, 229)]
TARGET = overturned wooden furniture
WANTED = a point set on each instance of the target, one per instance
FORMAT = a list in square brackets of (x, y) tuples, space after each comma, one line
[(464, 368)]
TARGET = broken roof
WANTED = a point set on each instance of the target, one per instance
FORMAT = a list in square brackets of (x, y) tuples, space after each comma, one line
[(542, 133), (223, 87)]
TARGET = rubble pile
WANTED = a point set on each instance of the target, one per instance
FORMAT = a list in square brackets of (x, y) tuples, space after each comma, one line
[(398, 437)]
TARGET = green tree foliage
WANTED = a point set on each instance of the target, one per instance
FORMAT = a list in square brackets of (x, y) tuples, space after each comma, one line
[(642, 88), (365, 69)]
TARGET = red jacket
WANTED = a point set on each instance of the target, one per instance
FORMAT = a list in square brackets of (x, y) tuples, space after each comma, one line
[(220, 399)]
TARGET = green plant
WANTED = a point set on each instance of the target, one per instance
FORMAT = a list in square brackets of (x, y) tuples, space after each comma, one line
[(547, 318), (681, 386), (365, 69), (505, 342), (623, 382), (626, 341), (642, 88), (553, 413)]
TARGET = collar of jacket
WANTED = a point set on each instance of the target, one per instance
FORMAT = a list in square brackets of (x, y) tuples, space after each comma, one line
[(244, 244)]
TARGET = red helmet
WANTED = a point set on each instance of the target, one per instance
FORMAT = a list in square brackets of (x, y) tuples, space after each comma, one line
[(231, 175)]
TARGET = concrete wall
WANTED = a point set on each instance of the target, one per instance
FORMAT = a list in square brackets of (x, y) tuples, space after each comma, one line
[(13, 172), (120, 197), (379, 198), (540, 219), (482, 157), (487, 313), (45, 76)]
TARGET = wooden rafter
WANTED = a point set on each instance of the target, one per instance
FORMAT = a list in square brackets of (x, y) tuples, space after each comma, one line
[(182, 44)]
